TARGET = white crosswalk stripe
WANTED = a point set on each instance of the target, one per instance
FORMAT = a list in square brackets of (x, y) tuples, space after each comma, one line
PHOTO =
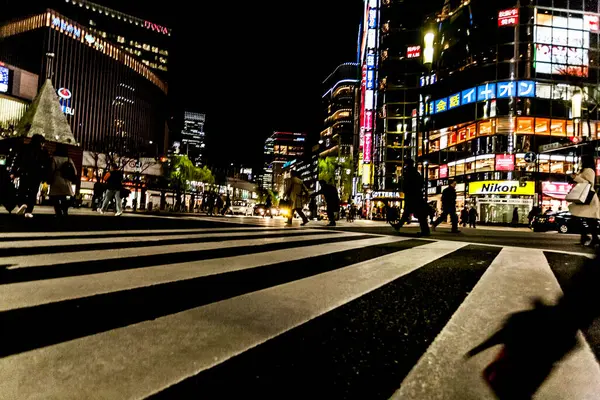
[(229, 291)]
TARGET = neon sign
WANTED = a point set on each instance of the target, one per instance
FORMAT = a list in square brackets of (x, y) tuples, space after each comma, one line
[(67, 27), (65, 101), (508, 17), (3, 79), (156, 27)]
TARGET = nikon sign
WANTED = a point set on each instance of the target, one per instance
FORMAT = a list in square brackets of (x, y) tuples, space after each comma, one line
[(502, 188)]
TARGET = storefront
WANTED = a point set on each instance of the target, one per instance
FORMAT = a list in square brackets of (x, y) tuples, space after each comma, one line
[(496, 200), (553, 196)]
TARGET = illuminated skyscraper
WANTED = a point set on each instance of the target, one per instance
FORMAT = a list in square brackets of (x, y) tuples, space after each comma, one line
[(192, 137)]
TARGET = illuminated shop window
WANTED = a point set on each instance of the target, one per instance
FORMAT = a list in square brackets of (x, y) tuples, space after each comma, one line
[(525, 125), (485, 128), (460, 168), (542, 126), (471, 131), (486, 165), (558, 127)]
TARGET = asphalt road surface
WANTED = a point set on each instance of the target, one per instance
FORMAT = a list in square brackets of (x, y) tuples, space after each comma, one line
[(223, 308)]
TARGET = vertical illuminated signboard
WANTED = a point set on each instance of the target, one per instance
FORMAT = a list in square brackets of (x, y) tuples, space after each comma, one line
[(3, 79), (369, 82)]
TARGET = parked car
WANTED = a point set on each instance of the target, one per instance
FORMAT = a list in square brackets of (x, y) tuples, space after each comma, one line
[(241, 207), (563, 222)]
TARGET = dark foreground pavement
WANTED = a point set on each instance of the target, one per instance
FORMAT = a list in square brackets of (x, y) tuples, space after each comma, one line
[(224, 308)]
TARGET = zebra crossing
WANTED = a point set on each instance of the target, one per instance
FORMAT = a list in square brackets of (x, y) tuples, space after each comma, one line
[(264, 312)]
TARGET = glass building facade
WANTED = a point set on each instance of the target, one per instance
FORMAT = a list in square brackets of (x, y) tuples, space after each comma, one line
[(113, 102), (510, 102)]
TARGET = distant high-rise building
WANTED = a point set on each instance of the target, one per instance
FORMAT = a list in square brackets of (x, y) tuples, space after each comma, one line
[(280, 148), (192, 137)]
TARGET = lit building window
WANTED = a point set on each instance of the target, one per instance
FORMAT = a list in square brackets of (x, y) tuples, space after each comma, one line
[(162, 60), (154, 49), (120, 39), (146, 47)]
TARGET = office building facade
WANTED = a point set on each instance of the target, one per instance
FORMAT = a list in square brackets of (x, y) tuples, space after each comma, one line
[(146, 40), (193, 141), (280, 148), (509, 107), (113, 102)]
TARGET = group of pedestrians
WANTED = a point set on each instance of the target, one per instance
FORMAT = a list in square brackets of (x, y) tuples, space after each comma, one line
[(214, 203), (297, 194), (32, 166)]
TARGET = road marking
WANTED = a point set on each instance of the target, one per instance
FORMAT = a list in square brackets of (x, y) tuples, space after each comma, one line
[(515, 277), (157, 354), (112, 254), (155, 238), (28, 294)]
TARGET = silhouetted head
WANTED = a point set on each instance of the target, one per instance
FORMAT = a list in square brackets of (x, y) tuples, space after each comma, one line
[(452, 183), (61, 150), (38, 141), (322, 182), (409, 163), (587, 161)]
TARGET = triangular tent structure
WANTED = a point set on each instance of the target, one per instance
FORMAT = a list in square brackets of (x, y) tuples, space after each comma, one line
[(45, 117)]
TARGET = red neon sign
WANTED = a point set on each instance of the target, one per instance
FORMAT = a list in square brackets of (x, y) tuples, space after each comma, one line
[(443, 171), (558, 190), (505, 162), (508, 17), (413, 52), (156, 27)]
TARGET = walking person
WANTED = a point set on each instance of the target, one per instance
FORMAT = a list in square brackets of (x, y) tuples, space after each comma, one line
[(515, 217), (296, 192), (473, 214), (268, 206), (535, 211), (210, 204), (114, 184), (227, 206), (62, 175), (464, 216), (218, 203), (31, 167), (414, 202), (587, 214), (330, 193), (449, 207)]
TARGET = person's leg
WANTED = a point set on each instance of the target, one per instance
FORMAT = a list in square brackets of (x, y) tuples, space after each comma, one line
[(57, 207), (593, 229), (108, 196), (118, 202), (31, 195), (454, 219), (422, 216), (65, 206), (302, 215), (443, 217), (331, 215), (584, 230)]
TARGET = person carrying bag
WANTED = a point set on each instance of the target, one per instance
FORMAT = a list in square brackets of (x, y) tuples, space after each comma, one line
[(585, 203)]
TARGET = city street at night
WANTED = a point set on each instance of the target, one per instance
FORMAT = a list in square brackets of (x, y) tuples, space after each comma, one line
[(354, 200), (197, 307)]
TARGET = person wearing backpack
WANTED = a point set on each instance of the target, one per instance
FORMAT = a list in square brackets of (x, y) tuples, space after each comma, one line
[(62, 175), (114, 184)]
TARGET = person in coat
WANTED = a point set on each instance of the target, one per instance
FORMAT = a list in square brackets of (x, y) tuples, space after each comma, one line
[(449, 207), (515, 217), (31, 167), (414, 201), (331, 198), (296, 192), (587, 214), (473, 214), (114, 184), (464, 216), (62, 175)]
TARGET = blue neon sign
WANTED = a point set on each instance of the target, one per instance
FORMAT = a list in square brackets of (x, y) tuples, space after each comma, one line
[(3, 79), (507, 89), (468, 96), (454, 101), (526, 89), (486, 92)]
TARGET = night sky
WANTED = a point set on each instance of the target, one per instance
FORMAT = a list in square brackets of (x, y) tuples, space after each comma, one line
[(261, 68)]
